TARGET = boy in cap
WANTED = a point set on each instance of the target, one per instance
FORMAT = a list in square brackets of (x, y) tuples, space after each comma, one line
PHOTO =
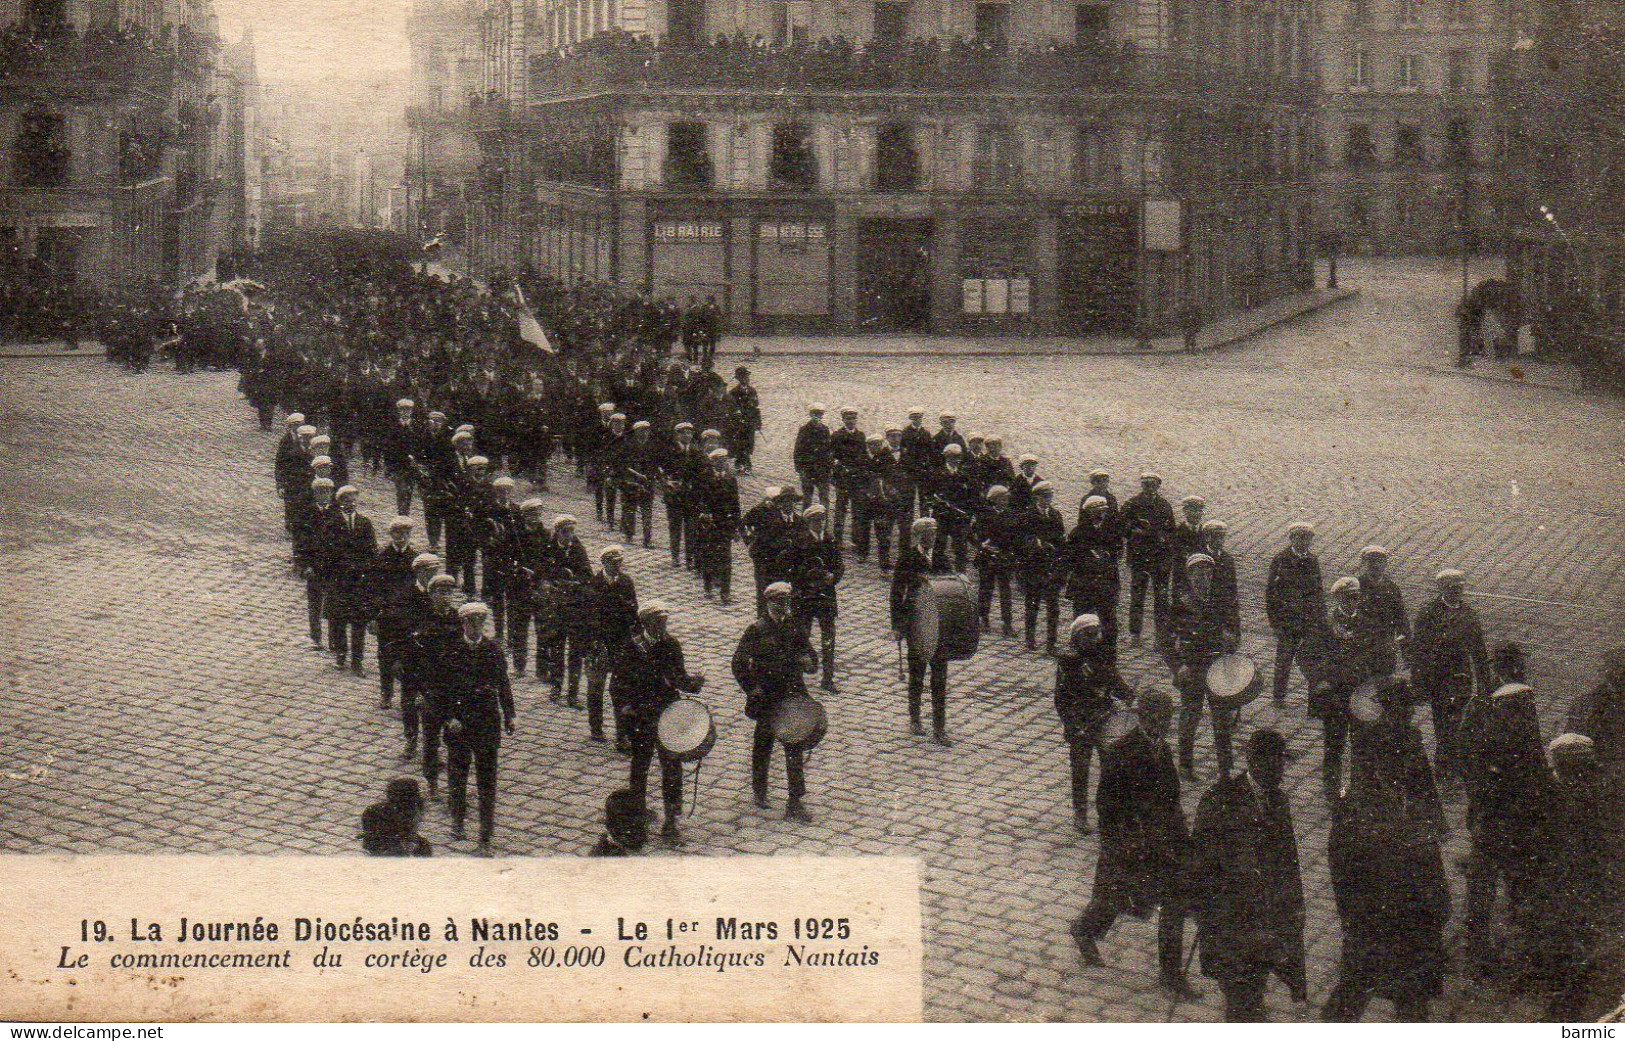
[(430, 672), (351, 552), (390, 582), (650, 674), (1087, 685), (815, 570), (293, 466), (849, 447), (477, 709), (1294, 601), (1449, 662), (613, 599), (401, 442), (914, 562), (310, 549), (716, 522), (768, 664), (1200, 630), (1043, 538), (813, 457), (1383, 606), (997, 534), (1147, 522), (743, 421)]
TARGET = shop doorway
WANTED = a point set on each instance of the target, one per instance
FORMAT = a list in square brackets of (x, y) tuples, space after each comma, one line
[(894, 275), (1096, 277)]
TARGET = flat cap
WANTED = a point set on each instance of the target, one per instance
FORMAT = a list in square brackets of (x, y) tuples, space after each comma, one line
[(425, 560), (464, 428), (1374, 551), (1217, 527), (607, 407), (642, 424), (952, 448), (653, 608), (974, 438), (684, 425), (893, 428), (1346, 584), (402, 524), (717, 453), (1196, 560), (502, 482), (998, 491), (875, 439), (321, 460), (923, 524), (1570, 747), (772, 491), (1028, 457), (1450, 576), (406, 403), (816, 406), (306, 430), (348, 489), (1094, 502), (463, 435), (995, 439), (1084, 621), (1300, 528), (441, 581), (531, 504), (322, 484), (438, 415), (815, 510), (849, 411), (1100, 475), (711, 432), (611, 551), (321, 439), (478, 460), (564, 518), (1043, 488), (776, 589), (473, 609), (1193, 502), (1150, 475), (916, 412), (617, 416), (295, 419)]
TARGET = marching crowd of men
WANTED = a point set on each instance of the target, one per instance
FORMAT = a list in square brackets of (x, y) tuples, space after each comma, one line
[(1542, 820)]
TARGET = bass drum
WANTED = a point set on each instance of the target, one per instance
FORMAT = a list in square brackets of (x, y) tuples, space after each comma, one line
[(686, 731), (800, 723), (1233, 681), (944, 622)]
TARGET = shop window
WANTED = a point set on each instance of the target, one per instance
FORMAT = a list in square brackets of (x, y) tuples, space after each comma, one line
[(897, 165), (688, 161), (794, 165)]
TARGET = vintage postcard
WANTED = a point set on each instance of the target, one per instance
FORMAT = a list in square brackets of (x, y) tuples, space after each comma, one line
[(1018, 511)]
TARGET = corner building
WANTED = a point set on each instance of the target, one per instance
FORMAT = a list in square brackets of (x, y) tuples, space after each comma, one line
[(951, 166)]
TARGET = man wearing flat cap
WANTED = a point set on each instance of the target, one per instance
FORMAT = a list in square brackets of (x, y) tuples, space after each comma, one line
[(996, 531), (954, 504), (650, 674), (431, 670), (637, 468), (1044, 564), (680, 464), (612, 598), (501, 523), (914, 563), (1449, 662), (407, 618), (1201, 629), (1383, 605), (769, 663), (403, 439), (920, 458), (742, 422), (293, 467), (813, 455), (351, 550), (814, 573), (1147, 522), (947, 434), (477, 708), (311, 547), (1087, 687), (1093, 584), (848, 447), (1294, 601), (390, 581), (876, 500), (1188, 537), (716, 521)]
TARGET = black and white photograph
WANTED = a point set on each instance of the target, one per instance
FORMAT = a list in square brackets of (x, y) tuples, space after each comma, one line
[(1145, 476)]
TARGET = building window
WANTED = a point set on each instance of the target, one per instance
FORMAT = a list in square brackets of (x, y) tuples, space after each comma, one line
[(1092, 25), (1362, 70), (688, 161), (1361, 152), (1407, 12), (998, 158), (1459, 141), (794, 166), (42, 158), (1458, 73), (1408, 74), (1410, 149), (1091, 162), (992, 23), (897, 166)]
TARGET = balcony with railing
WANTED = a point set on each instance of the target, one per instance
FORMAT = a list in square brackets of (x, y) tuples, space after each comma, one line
[(66, 58), (619, 63)]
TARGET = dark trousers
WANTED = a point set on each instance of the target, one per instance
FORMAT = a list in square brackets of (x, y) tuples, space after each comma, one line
[(1348, 1000), (870, 520), (349, 641), (315, 594), (939, 690), (939, 552), (566, 658), (604, 500), (1110, 899), (432, 724), (645, 749), (1192, 700), (411, 707), (434, 522), (761, 761), (844, 504), (391, 645), (1446, 713), (1039, 591), (1334, 738), (633, 506), (521, 620), (478, 750), (1142, 575), (1244, 997), (597, 666), (988, 579), (1080, 744), (812, 484), (1484, 876), (1287, 646), (404, 487), (462, 555), (716, 563), (825, 618), (290, 511), (494, 591), (678, 534)]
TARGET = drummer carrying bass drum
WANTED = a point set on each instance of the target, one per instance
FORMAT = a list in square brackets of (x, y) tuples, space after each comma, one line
[(649, 674), (913, 564), (1204, 627), (769, 664)]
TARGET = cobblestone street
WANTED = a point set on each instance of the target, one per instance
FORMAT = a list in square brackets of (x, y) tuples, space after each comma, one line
[(160, 695)]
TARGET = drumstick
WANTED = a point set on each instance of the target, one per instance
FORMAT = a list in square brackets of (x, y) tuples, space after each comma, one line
[(1184, 973)]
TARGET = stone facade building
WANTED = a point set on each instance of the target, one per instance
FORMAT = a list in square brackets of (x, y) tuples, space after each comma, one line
[(447, 76), (1022, 166)]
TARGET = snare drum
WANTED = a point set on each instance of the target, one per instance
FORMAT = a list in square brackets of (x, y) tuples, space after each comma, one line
[(944, 622), (686, 731), (1232, 681), (800, 723)]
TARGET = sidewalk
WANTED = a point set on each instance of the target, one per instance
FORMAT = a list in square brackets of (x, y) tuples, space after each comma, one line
[(1215, 335)]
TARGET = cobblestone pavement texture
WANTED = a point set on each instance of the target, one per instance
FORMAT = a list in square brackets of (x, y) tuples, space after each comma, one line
[(160, 695)]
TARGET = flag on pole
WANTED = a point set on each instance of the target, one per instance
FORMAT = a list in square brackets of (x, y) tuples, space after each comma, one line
[(530, 330)]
